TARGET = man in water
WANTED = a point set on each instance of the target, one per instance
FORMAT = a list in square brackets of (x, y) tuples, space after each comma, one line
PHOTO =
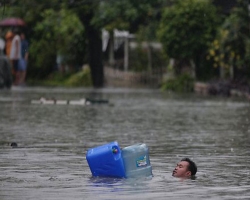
[(186, 168)]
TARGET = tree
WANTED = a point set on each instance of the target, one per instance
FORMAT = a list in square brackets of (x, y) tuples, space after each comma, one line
[(231, 49), (186, 29), (25, 9), (60, 32), (95, 15), (86, 11), (49, 31), (128, 15)]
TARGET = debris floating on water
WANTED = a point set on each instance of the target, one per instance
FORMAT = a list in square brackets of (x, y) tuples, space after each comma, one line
[(83, 101), (13, 144)]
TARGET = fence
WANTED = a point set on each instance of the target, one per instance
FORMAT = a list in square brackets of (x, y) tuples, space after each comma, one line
[(119, 78)]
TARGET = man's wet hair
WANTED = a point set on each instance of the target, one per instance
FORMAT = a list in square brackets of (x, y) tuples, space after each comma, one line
[(191, 167)]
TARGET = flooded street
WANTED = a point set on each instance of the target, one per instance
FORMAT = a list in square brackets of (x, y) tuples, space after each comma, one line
[(50, 162)]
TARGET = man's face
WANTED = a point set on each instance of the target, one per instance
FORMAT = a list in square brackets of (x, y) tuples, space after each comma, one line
[(181, 170)]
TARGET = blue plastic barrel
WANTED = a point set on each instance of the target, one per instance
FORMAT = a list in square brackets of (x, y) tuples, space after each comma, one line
[(136, 161), (106, 160)]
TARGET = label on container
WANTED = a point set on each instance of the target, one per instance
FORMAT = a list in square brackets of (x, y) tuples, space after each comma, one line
[(141, 161)]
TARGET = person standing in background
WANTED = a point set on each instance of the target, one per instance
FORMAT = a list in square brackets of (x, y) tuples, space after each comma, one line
[(15, 55), (22, 64), (5, 68), (8, 40)]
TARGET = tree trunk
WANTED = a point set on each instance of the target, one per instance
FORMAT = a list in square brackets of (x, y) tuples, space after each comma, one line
[(95, 56), (95, 49)]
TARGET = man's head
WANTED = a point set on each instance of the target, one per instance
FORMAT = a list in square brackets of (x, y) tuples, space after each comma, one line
[(185, 168)]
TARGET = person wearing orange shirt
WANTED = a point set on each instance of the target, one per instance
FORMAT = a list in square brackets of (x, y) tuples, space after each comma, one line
[(8, 40)]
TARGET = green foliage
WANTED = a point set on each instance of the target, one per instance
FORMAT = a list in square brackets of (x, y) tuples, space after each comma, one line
[(204, 71), (42, 59), (60, 33), (187, 27), (51, 29), (182, 83), (231, 46), (125, 14), (47, 39), (138, 60), (148, 32), (29, 10), (79, 79), (82, 78)]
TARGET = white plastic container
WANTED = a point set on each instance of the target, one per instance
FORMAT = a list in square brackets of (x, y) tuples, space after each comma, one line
[(136, 161)]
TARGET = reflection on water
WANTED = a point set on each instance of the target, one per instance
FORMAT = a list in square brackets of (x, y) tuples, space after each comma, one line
[(49, 162)]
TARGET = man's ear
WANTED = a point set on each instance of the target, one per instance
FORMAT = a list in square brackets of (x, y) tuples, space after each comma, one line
[(188, 173)]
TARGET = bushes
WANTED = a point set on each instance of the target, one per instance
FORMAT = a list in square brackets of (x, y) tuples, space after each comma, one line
[(186, 29), (139, 60), (82, 78), (58, 33), (182, 83), (79, 79)]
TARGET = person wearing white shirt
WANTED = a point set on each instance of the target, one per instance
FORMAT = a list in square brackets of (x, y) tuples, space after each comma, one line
[(15, 54)]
